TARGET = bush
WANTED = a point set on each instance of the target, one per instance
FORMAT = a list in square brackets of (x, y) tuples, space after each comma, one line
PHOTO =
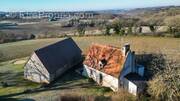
[(165, 85), (90, 80), (107, 32), (32, 36), (123, 95), (4, 84), (154, 23), (104, 90), (177, 35), (122, 32), (81, 29), (117, 27), (174, 25), (129, 31)]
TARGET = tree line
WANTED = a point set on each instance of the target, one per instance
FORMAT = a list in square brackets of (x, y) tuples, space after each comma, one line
[(134, 26)]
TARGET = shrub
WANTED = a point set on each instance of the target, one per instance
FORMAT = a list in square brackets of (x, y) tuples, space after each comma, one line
[(32, 36), (81, 29), (165, 85), (117, 27), (107, 32), (174, 25), (129, 31), (122, 32), (154, 23), (123, 95), (90, 80), (4, 84), (104, 90)]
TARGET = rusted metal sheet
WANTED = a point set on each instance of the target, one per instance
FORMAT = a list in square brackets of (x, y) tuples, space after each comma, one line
[(107, 59)]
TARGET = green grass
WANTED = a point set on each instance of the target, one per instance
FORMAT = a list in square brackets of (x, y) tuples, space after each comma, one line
[(71, 83), (13, 75)]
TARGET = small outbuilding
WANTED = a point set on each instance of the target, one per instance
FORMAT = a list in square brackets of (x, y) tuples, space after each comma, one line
[(48, 63), (134, 83)]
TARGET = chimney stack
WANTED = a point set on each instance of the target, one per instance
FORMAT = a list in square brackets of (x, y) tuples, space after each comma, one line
[(126, 49)]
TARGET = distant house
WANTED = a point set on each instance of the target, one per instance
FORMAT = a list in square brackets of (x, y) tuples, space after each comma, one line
[(48, 63), (114, 67)]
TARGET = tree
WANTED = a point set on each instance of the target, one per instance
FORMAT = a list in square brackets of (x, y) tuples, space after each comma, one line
[(173, 11), (122, 31), (117, 26), (92, 23), (3, 36), (32, 36), (173, 24), (154, 24), (129, 31), (81, 29), (107, 31), (138, 26), (129, 23)]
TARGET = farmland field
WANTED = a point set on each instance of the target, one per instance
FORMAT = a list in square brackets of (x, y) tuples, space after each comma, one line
[(147, 44), (12, 73)]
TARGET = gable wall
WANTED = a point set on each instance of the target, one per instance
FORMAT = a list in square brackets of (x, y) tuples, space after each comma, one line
[(130, 86), (128, 67), (35, 71)]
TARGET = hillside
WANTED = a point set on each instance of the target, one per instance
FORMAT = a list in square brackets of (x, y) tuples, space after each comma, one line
[(73, 84)]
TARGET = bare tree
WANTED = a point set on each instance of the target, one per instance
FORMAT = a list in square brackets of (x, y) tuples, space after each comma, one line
[(174, 25), (154, 24)]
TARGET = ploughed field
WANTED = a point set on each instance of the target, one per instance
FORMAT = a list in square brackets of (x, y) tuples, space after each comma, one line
[(14, 55)]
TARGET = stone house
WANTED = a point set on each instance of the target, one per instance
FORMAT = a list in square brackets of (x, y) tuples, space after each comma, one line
[(114, 67), (48, 63)]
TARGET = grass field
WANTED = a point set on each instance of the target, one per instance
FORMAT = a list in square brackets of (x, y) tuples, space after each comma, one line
[(168, 46), (70, 85), (73, 83)]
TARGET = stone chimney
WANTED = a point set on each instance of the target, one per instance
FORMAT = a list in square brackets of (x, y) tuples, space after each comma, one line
[(126, 49)]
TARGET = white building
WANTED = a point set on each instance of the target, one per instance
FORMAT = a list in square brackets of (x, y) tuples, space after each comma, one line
[(114, 67)]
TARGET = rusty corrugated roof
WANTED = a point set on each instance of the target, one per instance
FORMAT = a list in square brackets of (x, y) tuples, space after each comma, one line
[(112, 58)]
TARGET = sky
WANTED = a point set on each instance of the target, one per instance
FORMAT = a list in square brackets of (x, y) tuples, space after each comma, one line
[(80, 5)]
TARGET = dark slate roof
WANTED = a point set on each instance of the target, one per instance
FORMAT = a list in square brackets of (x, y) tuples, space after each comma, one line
[(62, 54), (135, 78)]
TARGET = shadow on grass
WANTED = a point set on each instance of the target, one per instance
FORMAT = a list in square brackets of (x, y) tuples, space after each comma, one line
[(15, 99), (152, 63), (14, 79), (69, 80)]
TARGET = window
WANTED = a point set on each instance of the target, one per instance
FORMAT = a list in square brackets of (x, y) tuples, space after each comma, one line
[(100, 78), (91, 72)]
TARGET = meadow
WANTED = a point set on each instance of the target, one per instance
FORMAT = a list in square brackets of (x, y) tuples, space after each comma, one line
[(139, 44), (19, 89)]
